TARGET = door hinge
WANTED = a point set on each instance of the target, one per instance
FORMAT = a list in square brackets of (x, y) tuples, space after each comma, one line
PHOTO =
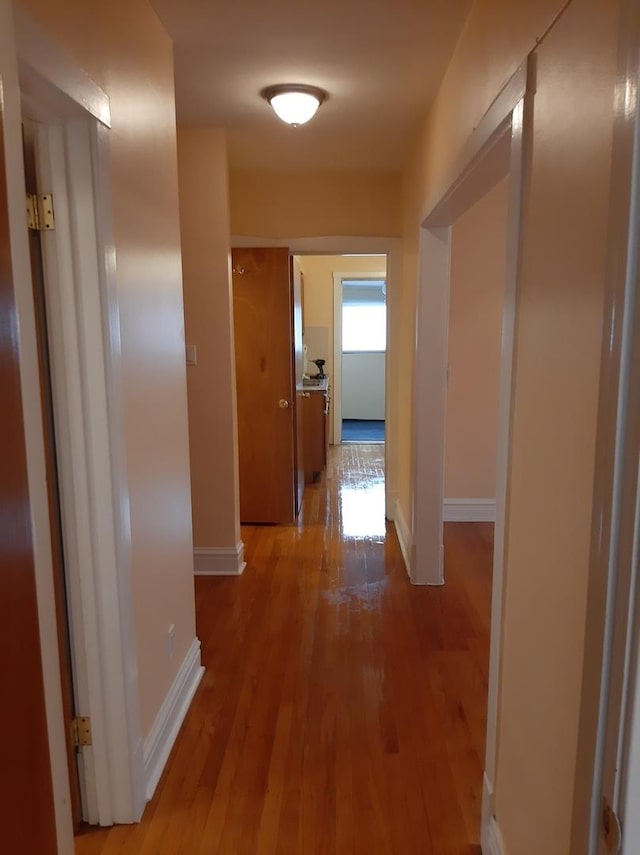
[(611, 829), (40, 216), (81, 731)]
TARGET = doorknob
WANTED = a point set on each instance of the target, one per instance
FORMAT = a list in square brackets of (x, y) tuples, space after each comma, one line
[(283, 404)]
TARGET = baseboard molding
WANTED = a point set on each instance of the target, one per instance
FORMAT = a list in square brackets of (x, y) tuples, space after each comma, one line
[(491, 841), (405, 538), (219, 560), (469, 510), (159, 742)]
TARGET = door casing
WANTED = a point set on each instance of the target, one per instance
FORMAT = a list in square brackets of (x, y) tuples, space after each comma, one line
[(499, 146), (611, 655), (29, 821), (336, 380), (76, 117), (355, 244)]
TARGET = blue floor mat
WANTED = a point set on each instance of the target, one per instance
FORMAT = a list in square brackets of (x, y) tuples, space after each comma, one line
[(359, 430)]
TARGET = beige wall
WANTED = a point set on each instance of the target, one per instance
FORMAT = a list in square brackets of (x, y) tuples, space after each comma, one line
[(288, 205), (496, 39), (204, 215), (555, 409), (557, 367), (318, 273), (122, 46), (478, 255)]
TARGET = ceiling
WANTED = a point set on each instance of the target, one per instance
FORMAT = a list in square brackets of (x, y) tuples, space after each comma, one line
[(381, 62)]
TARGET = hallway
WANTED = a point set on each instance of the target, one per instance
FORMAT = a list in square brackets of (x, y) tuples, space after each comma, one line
[(342, 710)]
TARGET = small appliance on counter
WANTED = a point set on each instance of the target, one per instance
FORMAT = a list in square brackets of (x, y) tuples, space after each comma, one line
[(320, 364)]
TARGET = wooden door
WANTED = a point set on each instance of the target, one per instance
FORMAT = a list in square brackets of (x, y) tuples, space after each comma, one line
[(265, 377), (53, 488), (28, 823)]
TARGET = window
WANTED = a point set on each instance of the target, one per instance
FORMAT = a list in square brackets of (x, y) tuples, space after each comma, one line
[(364, 316)]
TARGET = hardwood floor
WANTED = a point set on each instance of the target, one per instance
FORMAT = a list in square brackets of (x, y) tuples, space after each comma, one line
[(342, 710)]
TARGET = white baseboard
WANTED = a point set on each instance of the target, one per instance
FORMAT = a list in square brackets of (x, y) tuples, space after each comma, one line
[(491, 841), (219, 560), (469, 510), (404, 537), (159, 742)]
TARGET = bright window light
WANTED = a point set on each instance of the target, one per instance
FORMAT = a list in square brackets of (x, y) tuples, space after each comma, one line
[(364, 327)]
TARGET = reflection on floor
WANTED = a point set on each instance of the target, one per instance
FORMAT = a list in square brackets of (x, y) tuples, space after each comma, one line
[(361, 490), (362, 430), (342, 709)]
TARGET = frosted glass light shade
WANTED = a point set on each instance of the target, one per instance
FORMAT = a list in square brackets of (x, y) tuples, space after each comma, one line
[(295, 108), (294, 104)]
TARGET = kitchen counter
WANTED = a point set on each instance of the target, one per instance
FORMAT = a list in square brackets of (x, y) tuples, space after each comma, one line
[(312, 385), (314, 395)]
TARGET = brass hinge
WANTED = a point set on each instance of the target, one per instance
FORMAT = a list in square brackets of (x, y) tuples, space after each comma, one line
[(81, 731), (611, 828), (40, 216)]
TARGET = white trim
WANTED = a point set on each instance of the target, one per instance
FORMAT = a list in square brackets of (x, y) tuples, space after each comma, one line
[(469, 510), (430, 397), (499, 146), (92, 475), (403, 533), (613, 606), (391, 506), (72, 151), (324, 245), (336, 380), (463, 187), (219, 560), (491, 841), (34, 441), (521, 132), (43, 64), (167, 724), (336, 403)]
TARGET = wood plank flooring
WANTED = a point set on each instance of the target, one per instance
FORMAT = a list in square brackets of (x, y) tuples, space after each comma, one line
[(342, 710)]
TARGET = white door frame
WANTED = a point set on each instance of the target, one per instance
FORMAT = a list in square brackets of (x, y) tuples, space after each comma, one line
[(611, 661), (72, 150), (342, 245), (499, 146), (337, 345)]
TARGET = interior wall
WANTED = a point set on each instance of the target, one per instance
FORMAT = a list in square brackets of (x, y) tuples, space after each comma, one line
[(288, 205), (558, 347), (204, 217), (495, 41), (478, 257), (318, 273), (557, 363), (363, 385), (124, 49)]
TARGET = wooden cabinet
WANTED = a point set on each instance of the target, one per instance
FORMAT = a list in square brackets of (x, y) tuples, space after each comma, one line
[(315, 417)]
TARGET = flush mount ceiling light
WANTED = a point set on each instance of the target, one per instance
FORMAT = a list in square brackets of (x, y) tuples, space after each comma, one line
[(294, 103)]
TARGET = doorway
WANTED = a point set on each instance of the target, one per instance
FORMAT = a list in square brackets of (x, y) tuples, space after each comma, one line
[(360, 341), (71, 153), (348, 252), (51, 463), (496, 148), (476, 298)]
